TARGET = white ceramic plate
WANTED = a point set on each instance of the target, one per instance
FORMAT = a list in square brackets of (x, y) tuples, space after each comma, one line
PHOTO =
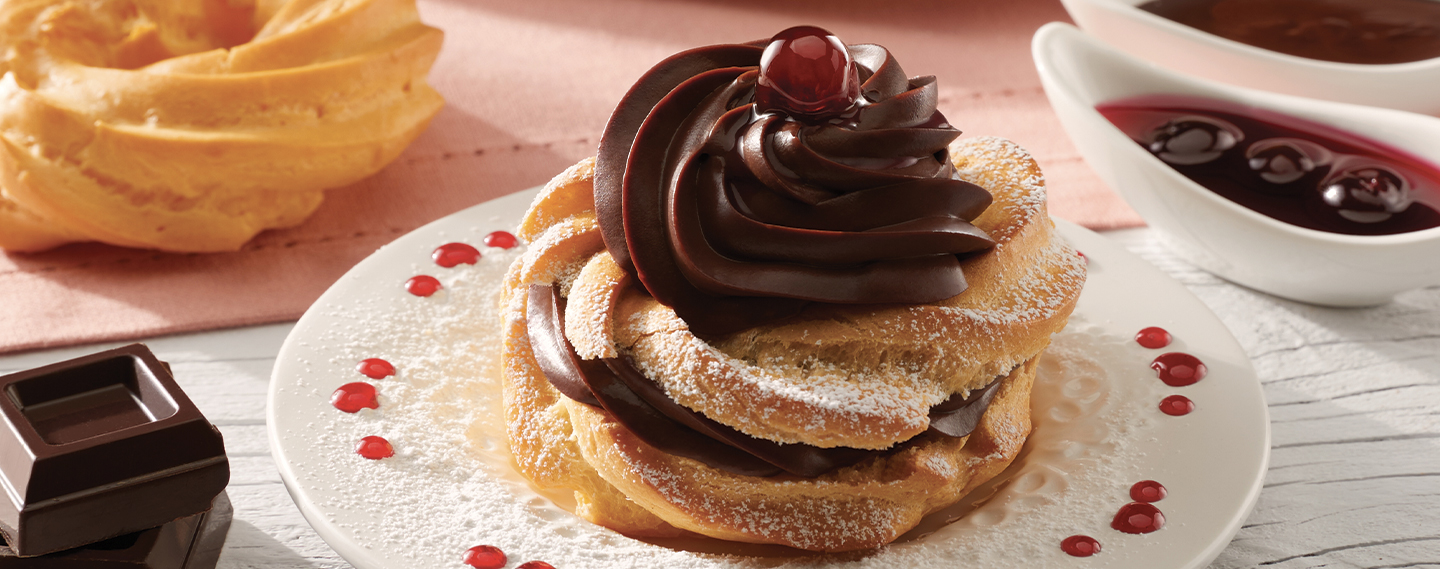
[(449, 485)]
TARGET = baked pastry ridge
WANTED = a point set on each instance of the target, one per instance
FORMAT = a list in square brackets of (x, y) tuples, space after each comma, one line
[(193, 125)]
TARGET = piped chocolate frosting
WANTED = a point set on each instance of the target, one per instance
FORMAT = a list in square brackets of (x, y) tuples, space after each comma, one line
[(736, 214)]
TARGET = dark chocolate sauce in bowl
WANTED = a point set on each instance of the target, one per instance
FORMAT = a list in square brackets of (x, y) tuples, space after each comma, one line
[(1343, 31), (1297, 171)]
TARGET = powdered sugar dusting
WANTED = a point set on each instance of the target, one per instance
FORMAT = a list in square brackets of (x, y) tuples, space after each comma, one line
[(1027, 203), (451, 484)]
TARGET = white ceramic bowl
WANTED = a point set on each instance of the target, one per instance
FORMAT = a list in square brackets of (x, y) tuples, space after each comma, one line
[(1413, 86), (1221, 236)]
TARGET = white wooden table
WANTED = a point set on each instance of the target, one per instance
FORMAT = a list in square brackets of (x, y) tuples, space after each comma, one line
[(1354, 398)]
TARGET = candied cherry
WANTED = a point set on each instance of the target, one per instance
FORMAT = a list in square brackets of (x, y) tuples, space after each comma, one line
[(1369, 194), (535, 565), (1191, 140), (1282, 160), (807, 72)]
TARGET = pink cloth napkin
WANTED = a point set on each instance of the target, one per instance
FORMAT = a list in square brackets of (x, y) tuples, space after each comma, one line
[(529, 87)]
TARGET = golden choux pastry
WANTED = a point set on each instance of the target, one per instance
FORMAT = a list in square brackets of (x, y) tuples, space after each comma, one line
[(192, 125), (1020, 294), (783, 304)]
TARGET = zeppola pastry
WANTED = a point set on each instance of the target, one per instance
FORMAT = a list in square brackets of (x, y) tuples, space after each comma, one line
[(782, 305), (192, 125)]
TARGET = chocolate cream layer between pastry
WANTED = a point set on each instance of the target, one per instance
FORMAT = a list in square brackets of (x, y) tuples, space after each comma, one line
[(676, 373)]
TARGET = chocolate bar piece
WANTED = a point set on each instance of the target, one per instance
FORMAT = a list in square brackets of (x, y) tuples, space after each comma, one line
[(192, 542), (101, 446)]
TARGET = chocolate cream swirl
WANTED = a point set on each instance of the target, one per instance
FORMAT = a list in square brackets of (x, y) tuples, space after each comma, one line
[(734, 215)]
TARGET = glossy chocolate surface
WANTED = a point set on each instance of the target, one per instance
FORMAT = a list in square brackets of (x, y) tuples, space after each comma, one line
[(1299, 172), (101, 446), (191, 542), (643, 407), (735, 215), (1345, 31)]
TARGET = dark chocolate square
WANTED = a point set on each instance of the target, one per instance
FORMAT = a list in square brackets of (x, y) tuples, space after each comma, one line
[(100, 446), (192, 542)]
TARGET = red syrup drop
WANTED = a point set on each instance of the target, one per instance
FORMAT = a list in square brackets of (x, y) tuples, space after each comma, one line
[(1080, 545), (375, 368), (807, 72), (452, 254), (535, 565), (1138, 517), (500, 240), (1178, 369), (1148, 491), (1153, 337), (485, 557), (1083, 259), (374, 448), (352, 397), (423, 285), (1176, 405)]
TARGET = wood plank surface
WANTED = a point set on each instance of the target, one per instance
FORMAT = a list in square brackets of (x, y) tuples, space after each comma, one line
[(1354, 397)]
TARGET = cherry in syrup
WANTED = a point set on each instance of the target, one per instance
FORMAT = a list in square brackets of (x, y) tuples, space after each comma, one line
[(535, 565), (1194, 139), (1369, 194), (1283, 161), (806, 72), (1299, 172)]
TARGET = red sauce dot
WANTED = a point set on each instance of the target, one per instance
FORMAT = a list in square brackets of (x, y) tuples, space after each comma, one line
[(535, 565), (1178, 369), (1148, 491), (500, 239), (352, 397), (451, 254), (375, 448), (1153, 337), (375, 368), (1080, 545), (1176, 405), (423, 285), (1086, 260), (1138, 517), (485, 557)]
